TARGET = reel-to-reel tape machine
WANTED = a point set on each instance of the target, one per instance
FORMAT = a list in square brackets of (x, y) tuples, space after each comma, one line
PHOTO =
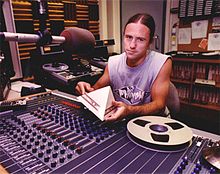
[(63, 73), (55, 69)]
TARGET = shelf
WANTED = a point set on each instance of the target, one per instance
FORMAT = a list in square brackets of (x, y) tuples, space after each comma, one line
[(191, 93), (197, 60), (180, 81), (217, 85), (205, 106)]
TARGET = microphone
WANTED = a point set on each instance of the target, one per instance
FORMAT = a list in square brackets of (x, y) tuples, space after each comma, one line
[(74, 40), (78, 40)]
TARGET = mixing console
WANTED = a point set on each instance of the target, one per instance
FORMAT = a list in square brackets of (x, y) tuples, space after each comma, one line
[(53, 134)]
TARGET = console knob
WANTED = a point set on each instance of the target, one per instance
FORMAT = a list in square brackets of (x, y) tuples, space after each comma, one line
[(19, 139), (79, 150), (29, 146), (31, 139), (48, 151), (37, 143), (42, 146), (49, 143), (55, 155), (46, 159), (23, 142), (62, 151), (72, 146), (65, 142), (56, 147), (34, 150), (44, 140), (62, 159), (53, 164), (11, 133), (40, 154), (69, 155)]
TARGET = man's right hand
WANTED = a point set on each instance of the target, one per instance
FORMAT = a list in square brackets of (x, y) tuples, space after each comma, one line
[(83, 87)]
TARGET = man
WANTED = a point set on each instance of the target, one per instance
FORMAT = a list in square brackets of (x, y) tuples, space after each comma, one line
[(139, 77)]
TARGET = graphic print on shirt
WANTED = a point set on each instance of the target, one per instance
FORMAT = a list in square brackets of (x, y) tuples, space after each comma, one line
[(132, 94)]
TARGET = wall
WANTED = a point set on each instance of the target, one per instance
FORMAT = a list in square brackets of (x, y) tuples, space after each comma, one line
[(109, 18), (110, 23)]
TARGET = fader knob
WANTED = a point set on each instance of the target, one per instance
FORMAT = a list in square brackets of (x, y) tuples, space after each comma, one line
[(180, 169), (212, 170), (196, 170)]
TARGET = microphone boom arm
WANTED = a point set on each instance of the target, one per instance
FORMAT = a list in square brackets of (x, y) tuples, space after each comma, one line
[(28, 38), (73, 40)]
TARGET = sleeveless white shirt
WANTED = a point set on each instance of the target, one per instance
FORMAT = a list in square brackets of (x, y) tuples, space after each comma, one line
[(132, 85)]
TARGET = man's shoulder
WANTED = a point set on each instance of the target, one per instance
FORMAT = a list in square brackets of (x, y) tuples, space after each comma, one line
[(116, 58), (117, 55), (158, 55)]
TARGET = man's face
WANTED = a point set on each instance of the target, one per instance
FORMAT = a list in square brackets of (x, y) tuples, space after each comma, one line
[(136, 42)]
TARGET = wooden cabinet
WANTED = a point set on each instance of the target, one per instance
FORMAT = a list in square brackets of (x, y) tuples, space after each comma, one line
[(198, 84), (197, 81)]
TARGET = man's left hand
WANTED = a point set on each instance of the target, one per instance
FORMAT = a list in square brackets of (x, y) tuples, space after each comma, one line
[(121, 111)]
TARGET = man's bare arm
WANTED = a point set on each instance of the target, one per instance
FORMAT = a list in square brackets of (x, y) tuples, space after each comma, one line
[(104, 80)]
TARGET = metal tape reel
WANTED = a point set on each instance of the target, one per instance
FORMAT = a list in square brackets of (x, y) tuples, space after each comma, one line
[(160, 133), (51, 68)]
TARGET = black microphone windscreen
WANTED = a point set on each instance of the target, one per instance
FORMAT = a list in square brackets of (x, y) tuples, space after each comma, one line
[(78, 41)]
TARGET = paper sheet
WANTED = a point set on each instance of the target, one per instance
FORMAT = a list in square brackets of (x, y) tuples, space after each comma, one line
[(199, 29), (214, 42), (99, 102), (184, 36)]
